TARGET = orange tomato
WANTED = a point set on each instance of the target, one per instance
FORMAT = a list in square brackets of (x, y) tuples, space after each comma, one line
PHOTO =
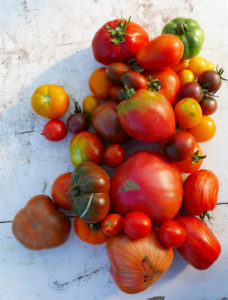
[(100, 84), (89, 104), (180, 66), (186, 76), (205, 130), (50, 101)]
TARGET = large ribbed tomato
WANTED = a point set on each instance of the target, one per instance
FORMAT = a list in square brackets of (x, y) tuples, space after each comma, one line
[(147, 182)]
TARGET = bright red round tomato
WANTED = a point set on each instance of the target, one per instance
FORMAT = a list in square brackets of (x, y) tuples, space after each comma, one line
[(60, 191), (172, 234), (54, 130), (136, 225), (118, 40), (114, 155), (112, 224)]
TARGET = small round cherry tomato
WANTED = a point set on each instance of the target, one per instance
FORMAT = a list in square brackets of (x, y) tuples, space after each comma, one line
[(208, 106), (188, 112), (211, 80), (89, 104), (199, 64), (186, 76), (136, 225), (115, 70), (112, 224), (60, 191), (172, 234), (134, 80), (100, 84), (117, 93), (114, 155), (205, 130), (191, 90), (78, 121), (54, 130)]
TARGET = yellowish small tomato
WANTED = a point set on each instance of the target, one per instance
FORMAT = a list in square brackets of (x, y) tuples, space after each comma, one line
[(89, 104), (199, 64), (205, 130), (181, 66), (186, 76)]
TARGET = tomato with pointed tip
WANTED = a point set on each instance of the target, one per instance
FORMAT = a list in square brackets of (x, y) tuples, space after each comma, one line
[(54, 130), (172, 234)]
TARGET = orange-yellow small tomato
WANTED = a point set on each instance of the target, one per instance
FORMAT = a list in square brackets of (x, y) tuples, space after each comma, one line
[(188, 113), (199, 64), (89, 104), (186, 76), (205, 130), (100, 84), (180, 66)]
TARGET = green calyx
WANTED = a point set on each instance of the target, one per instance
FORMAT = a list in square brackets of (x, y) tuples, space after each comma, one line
[(118, 33), (154, 84), (206, 215), (220, 72), (129, 92), (94, 226), (196, 157), (77, 108), (181, 28)]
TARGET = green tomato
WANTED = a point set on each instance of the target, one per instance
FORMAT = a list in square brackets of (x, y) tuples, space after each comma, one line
[(189, 31)]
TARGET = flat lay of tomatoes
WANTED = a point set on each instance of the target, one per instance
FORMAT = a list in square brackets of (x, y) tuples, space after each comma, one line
[(60, 191), (172, 234), (114, 155), (54, 130)]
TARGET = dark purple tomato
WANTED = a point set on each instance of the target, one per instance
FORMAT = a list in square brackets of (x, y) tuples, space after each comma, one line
[(208, 105), (191, 90), (78, 121), (54, 130), (115, 70), (179, 146), (211, 80), (117, 93), (134, 80)]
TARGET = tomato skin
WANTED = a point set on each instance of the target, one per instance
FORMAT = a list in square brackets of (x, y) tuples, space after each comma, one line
[(172, 234), (164, 51), (54, 130), (201, 248), (200, 192), (89, 104), (183, 64), (204, 130), (114, 155), (112, 224), (115, 70), (106, 52), (186, 76), (60, 191), (50, 101), (134, 80), (192, 90), (211, 80), (208, 106), (199, 64), (100, 84), (117, 93), (78, 121)]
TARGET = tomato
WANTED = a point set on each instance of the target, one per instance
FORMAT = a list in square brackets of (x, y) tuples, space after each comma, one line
[(200, 192), (201, 248), (100, 84), (106, 123), (188, 113), (186, 76), (60, 191), (50, 101), (118, 40), (208, 105), (114, 155), (147, 116), (205, 130), (199, 64), (54, 130), (193, 162), (164, 51), (134, 80), (172, 234), (117, 93), (89, 233), (112, 224), (86, 146), (115, 70), (211, 79), (78, 121), (148, 183), (192, 90), (183, 64), (90, 192), (136, 264), (39, 225), (89, 104), (165, 82), (179, 146)]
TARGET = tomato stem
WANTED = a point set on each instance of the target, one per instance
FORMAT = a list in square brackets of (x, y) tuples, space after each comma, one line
[(129, 92), (94, 226), (77, 108), (220, 72), (206, 215), (196, 157), (181, 28), (118, 33), (154, 84)]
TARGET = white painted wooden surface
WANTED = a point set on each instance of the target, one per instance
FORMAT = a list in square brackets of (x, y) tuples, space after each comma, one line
[(48, 41)]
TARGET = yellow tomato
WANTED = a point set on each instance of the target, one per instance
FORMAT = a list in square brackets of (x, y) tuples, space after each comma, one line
[(89, 104), (186, 76), (199, 64), (181, 66), (205, 130)]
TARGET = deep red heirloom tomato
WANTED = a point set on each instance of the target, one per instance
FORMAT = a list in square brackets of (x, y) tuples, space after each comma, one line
[(112, 224), (172, 234), (60, 191), (114, 155), (148, 183), (54, 130), (118, 40)]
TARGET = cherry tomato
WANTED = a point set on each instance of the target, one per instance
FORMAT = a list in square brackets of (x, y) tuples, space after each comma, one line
[(205, 130), (100, 84), (89, 104), (192, 90), (180, 66), (179, 146), (78, 121), (115, 70), (117, 93), (54, 130), (186, 76), (211, 80), (60, 191), (136, 225), (172, 234), (112, 224), (199, 64), (114, 155), (208, 105), (134, 80), (188, 112)]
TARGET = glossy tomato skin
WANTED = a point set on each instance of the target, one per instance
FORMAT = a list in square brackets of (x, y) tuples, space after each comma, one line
[(100, 84), (89, 104), (106, 123), (211, 80), (204, 130), (112, 224), (86, 146), (55, 130), (169, 83), (78, 121), (60, 191), (147, 116), (200, 192), (106, 52), (117, 93), (192, 90), (148, 183), (208, 106), (115, 70), (134, 80), (114, 155), (164, 51), (172, 234), (201, 248)]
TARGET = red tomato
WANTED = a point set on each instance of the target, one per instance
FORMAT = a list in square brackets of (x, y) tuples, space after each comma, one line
[(60, 191), (112, 224), (201, 248), (200, 192), (165, 82), (172, 234), (134, 80), (148, 183), (164, 51), (54, 130), (115, 70), (114, 155), (118, 40)]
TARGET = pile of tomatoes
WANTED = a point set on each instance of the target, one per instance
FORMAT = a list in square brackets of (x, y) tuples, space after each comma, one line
[(155, 90)]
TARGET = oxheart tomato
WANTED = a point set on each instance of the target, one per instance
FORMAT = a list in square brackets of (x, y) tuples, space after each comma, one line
[(147, 116), (118, 41), (148, 183), (201, 248), (172, 234), (60, 191), (136, 264), (39, 225), (164, 51)]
